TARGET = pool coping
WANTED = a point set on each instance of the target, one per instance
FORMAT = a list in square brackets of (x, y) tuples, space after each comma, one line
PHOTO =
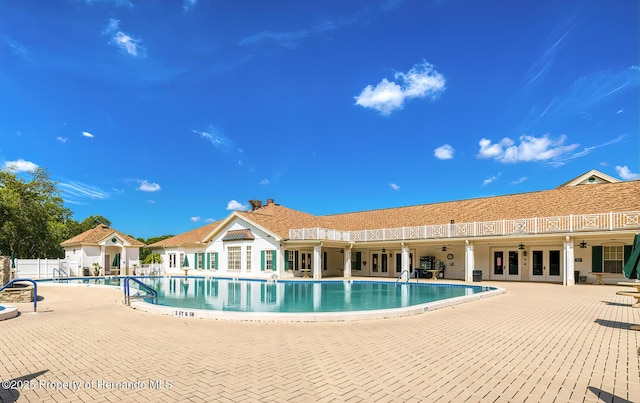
[(193, 313), (8, 312)]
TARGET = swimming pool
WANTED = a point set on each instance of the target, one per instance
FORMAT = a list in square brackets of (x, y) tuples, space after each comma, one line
[(296, 300)]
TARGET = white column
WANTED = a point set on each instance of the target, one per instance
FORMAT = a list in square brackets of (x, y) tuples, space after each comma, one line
[(317, 262), (469, 261), (405, 259), (347, 263), (281, 262), (568, 264), (124, 264), (102, 262)]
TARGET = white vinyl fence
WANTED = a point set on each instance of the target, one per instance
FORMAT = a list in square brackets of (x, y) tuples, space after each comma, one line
[(40, 268), (44, 268)]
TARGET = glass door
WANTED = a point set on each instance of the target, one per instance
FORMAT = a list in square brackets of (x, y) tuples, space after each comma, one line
[(384, 264), (506, 265), (514, 265), (375, 269), (546, 265), (498, 265)]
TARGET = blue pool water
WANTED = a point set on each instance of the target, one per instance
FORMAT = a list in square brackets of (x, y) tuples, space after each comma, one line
[(222, 294), (1, 308), (298, 296)]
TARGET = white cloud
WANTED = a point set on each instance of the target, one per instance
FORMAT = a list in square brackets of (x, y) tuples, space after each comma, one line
[(292, 39), (151, 201), (20, 166), (123, 41), (217, 138), (543, 64), (490, 180), (444, 152), (625, 173), (148, 187), (422, 81), (73, 192), (236, 206), (18, 49), (264, 182), (519, 181), (620, 111), (61, 139), (87, 134), (385, 97), (195, 219), (530, 149), (394, 186), (210, 220)]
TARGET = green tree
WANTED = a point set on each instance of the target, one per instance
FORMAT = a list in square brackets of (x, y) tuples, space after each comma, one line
[(152, 258), (144, 252), (33, 219), (92, 221)]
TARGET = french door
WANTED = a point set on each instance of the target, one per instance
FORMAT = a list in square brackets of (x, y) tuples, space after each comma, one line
[(380, 264), (506, 265), (546, 265)]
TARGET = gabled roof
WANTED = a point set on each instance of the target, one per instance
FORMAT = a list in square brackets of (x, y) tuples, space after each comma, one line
[(590, 178), (187, 238), (97, 234), (279, 219)]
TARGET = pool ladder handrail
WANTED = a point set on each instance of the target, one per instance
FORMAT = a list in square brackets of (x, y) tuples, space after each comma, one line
[(61, 274), (142, 287), (402, 274), (35, 289), (409, 275)]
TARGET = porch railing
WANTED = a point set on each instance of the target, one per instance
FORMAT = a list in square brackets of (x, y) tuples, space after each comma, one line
[(525, 226)]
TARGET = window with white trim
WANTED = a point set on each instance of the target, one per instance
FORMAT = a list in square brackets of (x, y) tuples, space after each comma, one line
[(291, 259), (172, 260), (268, 259), (248, 258), (612, 258), (234, 258), (181, 259)]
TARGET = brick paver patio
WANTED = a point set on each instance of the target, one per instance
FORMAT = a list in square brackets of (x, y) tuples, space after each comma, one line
[(535, 343)]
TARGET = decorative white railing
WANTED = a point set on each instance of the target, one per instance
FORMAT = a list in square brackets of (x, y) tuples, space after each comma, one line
[(524, 226)]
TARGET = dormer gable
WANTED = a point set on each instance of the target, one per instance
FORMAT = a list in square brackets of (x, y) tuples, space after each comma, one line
[(592, 177)]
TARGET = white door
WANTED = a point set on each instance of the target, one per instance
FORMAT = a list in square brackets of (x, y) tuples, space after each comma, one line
[(546, 265), (505, 264), (380, 264)]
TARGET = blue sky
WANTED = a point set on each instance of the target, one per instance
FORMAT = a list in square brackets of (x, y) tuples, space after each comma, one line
[(165, 115)]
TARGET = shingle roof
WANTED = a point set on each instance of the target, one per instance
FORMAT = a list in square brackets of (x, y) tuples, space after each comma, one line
[(583, 199), (97, 234), (279, 219), (187, 238)]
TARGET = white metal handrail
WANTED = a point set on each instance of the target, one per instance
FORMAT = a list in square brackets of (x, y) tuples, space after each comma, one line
[(524, 226)]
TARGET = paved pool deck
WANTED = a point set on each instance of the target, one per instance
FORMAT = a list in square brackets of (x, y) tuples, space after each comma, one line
[(534, 343)]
